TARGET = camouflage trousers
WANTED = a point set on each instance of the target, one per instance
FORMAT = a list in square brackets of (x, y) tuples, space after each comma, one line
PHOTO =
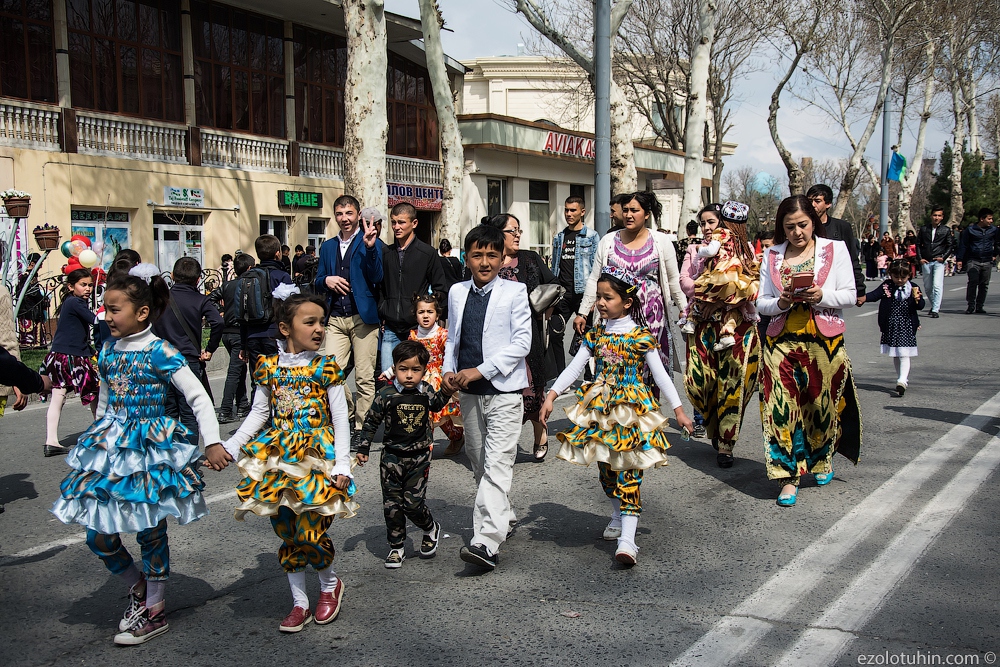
[(404, 491)]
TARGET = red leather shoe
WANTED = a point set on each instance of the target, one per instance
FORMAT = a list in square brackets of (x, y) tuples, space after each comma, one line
[(296, 620), (329, 604)]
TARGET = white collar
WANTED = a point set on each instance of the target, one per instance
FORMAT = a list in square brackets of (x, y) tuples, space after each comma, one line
[(136, 341), (620, 326), (487, 288), (426, 333), (303, 358), (351, 238)]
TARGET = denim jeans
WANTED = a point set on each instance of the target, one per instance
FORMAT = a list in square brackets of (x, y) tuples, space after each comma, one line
[(176, 406), (934, 284), (389, 342), (235, 392), (979, 282)]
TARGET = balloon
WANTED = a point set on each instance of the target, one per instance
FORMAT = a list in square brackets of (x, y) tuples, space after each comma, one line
[(80, 237), (98, 247), (66, 248), (88, 258), (76, 247), (72, 265)]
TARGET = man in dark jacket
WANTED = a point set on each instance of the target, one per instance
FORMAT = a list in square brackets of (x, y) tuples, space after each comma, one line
[(350, 266), (978, 247), (259, 339), (409, 267), (181, 324), (935, 244), (235, 403), (821, 197)]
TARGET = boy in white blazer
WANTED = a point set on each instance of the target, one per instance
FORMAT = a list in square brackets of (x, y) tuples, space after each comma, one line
[(489, 338)]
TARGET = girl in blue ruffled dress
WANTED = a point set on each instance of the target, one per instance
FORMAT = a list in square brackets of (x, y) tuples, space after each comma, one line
[(135, 466)]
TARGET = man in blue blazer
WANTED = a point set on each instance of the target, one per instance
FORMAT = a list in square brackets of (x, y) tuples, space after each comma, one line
[(350, 266)]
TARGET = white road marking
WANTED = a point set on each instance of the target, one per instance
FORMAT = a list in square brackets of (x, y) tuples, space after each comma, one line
[(82, 537), (869, 314), (738, 631), (824, 643), (957, 289)]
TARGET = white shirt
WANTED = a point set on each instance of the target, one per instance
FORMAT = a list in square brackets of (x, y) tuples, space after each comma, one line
[(344, 245)]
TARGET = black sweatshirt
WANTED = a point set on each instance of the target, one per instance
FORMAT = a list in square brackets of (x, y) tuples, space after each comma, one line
[(407, 417), (13, 373)]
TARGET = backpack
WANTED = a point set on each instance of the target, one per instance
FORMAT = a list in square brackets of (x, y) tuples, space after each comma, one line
[(253, 303)]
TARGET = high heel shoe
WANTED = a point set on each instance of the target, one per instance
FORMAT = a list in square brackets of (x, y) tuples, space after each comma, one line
[(788, 499), (824, 478)]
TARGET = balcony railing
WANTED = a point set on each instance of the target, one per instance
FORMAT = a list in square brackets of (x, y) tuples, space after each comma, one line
[(29, 126), (412, 170), (145, 140), (234, 151), (321, 162)]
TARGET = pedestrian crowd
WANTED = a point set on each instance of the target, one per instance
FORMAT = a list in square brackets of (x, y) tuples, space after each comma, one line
[(476, 349)]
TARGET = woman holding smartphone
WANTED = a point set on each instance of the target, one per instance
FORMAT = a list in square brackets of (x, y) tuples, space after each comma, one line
[(809, 409)]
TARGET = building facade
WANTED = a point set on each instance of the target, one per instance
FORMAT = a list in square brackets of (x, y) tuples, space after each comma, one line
[(527, 126), (189, 127)]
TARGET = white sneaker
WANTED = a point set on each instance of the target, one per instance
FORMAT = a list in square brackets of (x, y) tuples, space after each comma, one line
[(627, 554), (724, 343), (613, 531)]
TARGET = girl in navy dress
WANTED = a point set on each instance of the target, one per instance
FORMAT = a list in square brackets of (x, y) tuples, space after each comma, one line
[(899, 302)]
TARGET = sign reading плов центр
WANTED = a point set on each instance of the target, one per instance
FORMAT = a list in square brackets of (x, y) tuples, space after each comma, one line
[(423, 197), (300, 199), (183, 197)]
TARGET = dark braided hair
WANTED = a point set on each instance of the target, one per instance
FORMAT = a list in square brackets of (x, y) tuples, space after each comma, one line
[(626, 291), (155, 294), (285, 309)]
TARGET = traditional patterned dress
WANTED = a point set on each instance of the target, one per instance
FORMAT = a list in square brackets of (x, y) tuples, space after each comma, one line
[(435, 343), (644, 263), (809, 403), (288, 467), (724, 279), (134, 466)]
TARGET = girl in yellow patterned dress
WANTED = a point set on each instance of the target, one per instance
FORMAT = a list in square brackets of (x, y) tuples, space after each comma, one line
[(617, 420), (297, 471), (434, 337)]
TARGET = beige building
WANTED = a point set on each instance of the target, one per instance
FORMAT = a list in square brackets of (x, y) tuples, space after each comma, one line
[(189, 127), (527, 124)]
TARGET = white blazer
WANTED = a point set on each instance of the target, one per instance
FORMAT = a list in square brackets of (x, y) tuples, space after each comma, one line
[(506, 333)]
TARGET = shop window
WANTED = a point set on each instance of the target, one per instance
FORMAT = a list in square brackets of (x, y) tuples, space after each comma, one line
[(538, 215), (496, 196), (577, 191), (320, 76), (274, 225), (27, 51), (239, 70), (317, 232), (125, 57), (413, 124)]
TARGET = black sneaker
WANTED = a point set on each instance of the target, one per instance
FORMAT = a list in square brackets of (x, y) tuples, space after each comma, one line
[(900, 389), (225, 417), (980, 311), (429, 545), (933, 314), (511, 529), (478, 555), (970, 310), (242, 411)]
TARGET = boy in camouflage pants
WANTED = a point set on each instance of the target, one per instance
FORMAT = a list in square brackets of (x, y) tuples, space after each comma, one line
[(405, 405)]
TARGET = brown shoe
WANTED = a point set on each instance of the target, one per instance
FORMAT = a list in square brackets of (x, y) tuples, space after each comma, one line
[(454, 447), (296, 620), (329, 604)]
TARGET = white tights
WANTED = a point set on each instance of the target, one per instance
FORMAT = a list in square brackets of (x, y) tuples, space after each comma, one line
[(902, 365), (52, 415)]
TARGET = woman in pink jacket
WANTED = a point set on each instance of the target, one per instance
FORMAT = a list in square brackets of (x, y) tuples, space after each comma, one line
[(809, 408)]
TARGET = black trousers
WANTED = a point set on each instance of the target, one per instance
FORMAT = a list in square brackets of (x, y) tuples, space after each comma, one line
[(979, 282), (235, 392), (255, 349), (565, 309)]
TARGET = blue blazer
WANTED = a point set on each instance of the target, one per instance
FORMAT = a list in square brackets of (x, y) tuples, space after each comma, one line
[(366, 273)]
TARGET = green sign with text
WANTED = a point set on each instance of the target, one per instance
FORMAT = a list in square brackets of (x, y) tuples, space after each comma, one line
[(300, 199)]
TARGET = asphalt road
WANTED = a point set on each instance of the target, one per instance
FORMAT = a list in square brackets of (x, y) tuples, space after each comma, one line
[(895, 561)]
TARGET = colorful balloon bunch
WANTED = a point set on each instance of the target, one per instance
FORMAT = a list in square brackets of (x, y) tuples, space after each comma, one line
[(79, 248)]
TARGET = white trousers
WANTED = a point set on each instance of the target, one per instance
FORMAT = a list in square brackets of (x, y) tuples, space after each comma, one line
[(492, 430)]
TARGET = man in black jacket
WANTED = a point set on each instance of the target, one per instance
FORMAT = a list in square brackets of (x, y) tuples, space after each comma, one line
[(409, 267), (821, 197), (978, 248), (235, 402), (935, 244), (185, 334)]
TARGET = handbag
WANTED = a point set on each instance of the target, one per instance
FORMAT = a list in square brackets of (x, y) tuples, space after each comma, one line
[(545, 296)]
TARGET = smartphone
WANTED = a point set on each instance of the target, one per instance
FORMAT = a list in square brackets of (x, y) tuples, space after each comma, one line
[(802, 280)]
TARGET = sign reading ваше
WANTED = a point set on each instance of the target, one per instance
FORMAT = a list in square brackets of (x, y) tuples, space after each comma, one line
[(567, 144), (423, 197)]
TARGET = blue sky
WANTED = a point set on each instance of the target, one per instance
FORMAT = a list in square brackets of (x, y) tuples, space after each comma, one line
[(487, 28)]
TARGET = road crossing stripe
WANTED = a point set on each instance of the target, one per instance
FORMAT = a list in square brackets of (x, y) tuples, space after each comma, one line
[(82, 537), (869, 314), (823, 643), (738, 631)]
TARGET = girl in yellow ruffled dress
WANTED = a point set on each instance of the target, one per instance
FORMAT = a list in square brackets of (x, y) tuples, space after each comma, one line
[(729, 278), (297, 471), (617, 420)]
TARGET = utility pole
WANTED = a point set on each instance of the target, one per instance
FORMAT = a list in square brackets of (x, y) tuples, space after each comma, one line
[(883, 208), (602, 115)]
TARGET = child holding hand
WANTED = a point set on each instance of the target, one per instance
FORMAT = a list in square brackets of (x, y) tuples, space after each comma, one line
[(900, 301), (617, 420)]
